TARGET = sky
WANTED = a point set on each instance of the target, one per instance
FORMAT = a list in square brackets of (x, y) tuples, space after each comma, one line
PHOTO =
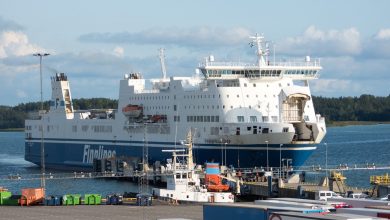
[(96, 42)]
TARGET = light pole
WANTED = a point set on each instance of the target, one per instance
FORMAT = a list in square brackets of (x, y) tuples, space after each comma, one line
[(221, 151), (267, 156), (326, 161), (280, 160), (43, 182), (225, 153)]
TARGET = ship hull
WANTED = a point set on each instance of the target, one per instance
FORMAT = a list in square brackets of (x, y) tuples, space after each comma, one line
[(79, 154)]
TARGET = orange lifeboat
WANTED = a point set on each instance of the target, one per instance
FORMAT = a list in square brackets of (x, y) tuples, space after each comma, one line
[(132, 110), (213, 180)]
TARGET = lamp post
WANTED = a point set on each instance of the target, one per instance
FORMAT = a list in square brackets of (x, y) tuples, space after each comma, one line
[(267, 156), (43, 182), (225, 154), (326, 161), (280, 160), (221, 151)]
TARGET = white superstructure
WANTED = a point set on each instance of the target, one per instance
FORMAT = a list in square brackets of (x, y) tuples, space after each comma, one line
[(244, 115)]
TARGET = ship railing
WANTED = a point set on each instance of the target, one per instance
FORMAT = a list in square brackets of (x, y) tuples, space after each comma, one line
[(282, 62), (149, 91), (36, 115)]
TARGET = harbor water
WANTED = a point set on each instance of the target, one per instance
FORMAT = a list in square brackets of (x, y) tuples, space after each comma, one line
[(350, 145)]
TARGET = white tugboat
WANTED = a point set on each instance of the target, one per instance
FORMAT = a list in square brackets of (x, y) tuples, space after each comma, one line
[(183, 180)]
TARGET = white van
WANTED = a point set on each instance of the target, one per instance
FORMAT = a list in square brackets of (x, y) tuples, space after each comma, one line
[(358, 196), (324, 195)]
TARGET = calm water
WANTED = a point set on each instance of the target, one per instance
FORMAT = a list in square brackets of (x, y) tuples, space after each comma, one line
[(12, 162), (345, 145)]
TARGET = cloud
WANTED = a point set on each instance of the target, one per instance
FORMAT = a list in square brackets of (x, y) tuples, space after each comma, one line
[(21, 94), (7, 25), (15, 43), (118, 51), (183, 37), (378, 46), (383, 34), (332, 85), (323, 43)]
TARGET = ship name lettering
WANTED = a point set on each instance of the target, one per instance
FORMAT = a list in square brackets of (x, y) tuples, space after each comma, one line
[(90, 153)]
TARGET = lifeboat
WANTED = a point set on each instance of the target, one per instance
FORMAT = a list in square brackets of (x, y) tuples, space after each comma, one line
[(132, 110), (213, 180), (158, 119)]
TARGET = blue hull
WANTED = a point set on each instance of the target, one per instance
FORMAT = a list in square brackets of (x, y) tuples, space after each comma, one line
[(65, 154)]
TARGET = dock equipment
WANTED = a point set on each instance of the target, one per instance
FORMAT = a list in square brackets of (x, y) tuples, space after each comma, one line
[(337, 182), (377, 181)]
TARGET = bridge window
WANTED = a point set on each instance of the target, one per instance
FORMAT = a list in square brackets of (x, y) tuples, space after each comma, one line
[(253, 119)]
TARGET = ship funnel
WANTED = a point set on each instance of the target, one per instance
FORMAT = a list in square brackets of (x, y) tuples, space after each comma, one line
[(61, 99)]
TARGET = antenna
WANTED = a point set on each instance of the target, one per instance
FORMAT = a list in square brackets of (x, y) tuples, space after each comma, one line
[(257, 40), (162, 61)]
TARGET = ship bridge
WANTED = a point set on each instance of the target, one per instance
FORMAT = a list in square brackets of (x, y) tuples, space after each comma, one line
[(295, 69)]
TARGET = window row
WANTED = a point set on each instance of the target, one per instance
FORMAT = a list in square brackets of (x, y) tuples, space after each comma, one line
[(203, 118), (253, 119), (301, 72), (165, 97)]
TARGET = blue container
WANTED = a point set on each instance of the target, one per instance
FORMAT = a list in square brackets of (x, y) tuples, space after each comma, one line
[(53, 200), (233, 212), (212, 168), (114, 200), (144, 199)]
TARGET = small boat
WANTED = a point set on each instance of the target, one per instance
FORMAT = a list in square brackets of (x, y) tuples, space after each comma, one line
[(132, 110), (183, 181)]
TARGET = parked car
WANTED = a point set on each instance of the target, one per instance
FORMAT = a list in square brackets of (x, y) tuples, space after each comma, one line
[(325, 195)]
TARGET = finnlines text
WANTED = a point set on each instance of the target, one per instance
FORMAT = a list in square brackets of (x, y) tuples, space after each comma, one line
[(100, 153)]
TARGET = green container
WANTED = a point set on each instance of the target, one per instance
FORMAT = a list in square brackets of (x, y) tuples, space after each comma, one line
[(4, 197), (13, 200), (71, 199), (92, 199)]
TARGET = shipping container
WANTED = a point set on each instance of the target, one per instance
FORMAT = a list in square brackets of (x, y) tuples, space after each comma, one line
[(92, 199), (4, 196), (365, 211), (53, 201), (360, 203), (71, 199), (331, 216), (114, 199), (247, 211), (32, 196)]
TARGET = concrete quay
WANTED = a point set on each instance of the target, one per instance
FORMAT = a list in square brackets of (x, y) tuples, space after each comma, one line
[(100, 212)]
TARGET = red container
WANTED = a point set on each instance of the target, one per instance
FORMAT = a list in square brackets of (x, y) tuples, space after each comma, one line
[(32, 196)]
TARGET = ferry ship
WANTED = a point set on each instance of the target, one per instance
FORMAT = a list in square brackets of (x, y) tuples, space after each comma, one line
[(242, 115)]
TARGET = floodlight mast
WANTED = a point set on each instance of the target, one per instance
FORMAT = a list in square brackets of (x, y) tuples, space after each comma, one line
[(43, 182)]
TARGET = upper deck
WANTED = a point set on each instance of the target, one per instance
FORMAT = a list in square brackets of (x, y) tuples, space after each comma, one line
[(231, 70), (296, 69)]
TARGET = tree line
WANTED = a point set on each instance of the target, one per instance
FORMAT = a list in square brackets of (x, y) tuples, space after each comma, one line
[(14, 117), (363, 108)]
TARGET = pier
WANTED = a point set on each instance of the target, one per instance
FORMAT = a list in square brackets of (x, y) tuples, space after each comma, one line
[(289, 182)]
